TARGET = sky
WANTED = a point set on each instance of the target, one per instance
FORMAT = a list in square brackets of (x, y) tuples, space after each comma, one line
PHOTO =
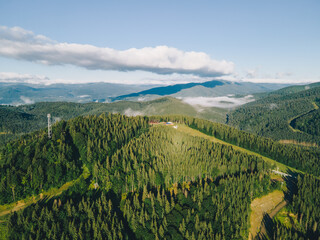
[(160, 42)]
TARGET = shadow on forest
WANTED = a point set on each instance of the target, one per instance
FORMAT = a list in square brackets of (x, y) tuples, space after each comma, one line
[(268, 226), (291, 183)]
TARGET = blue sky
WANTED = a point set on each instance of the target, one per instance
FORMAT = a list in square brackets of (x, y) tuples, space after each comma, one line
[(261, 41)]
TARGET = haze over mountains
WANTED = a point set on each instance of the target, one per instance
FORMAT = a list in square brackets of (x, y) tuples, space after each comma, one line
[(23, 93), (248, 106), (212, 88), (206, 94)]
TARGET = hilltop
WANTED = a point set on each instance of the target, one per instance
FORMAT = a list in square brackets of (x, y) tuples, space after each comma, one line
[(26, 118)]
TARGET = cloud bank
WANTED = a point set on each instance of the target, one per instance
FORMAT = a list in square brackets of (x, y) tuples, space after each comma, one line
[(11, 77), (221, 102), (21, 44)]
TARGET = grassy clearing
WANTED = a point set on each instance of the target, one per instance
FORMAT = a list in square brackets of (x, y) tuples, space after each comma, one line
[(16, 206), (260, 206), (315, 105), (287, 218), (305, 144), (6, 209), (193, 132)]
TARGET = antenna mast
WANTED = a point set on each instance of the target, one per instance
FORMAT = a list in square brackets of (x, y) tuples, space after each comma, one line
[(49, 126)]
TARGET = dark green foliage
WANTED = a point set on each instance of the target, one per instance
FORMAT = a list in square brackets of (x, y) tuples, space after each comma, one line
[(309, 123), (204, 209), (307, 205), (92, 216), (35, 162), (279, 231), (270, 116), (152, 182)]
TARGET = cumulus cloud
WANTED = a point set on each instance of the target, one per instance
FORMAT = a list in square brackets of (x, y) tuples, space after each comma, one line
[(21, 44)]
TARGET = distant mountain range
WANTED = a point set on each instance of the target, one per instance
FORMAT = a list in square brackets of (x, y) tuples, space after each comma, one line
[(285, 114), (207, 89), (17, 94)]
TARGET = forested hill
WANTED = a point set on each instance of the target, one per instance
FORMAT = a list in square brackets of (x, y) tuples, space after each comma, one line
[(282, 116), (287, 90), (15, 121), (133, 180)]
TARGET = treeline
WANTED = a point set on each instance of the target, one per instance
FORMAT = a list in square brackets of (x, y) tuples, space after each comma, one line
[(34, 162), (269, 116), (294, 156)]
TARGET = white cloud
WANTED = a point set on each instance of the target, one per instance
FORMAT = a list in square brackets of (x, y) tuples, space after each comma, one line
[(252, 73), (255, 76), (131, 113), (279, 80), (221, 102), (21, 44), (26, 100)]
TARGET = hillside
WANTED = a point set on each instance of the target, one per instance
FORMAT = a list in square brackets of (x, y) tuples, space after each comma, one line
[(210, 89), (143, 181), (309, 122), (26, 118), (283, 115)]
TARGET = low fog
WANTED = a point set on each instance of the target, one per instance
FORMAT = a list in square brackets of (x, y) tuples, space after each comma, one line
[(220, 102)]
